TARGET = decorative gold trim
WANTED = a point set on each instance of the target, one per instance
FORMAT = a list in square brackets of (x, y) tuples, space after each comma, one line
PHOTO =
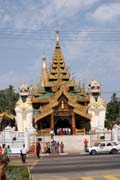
[(5, 114)]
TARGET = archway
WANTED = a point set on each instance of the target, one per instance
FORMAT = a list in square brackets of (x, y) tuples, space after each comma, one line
[(62, 123)]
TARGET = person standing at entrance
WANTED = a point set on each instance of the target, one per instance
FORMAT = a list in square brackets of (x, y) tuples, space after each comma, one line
[(8, 152), (85, 144), (23, 152), (52, 133), (61, 147), (38, 148)]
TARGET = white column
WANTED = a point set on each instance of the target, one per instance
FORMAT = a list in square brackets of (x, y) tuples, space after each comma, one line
[(26, 139), (115, 133)]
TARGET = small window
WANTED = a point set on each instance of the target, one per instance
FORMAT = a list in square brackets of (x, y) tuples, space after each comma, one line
[(109, 144), (102, 144)]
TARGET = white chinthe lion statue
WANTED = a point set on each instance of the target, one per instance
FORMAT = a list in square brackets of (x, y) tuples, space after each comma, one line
[(97, 106), (24, 110)]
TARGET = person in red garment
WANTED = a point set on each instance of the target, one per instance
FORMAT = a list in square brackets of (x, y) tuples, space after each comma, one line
[(3, 164), (85, 144), (38, 148)]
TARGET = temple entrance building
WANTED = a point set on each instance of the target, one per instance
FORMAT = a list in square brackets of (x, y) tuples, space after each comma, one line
[(59, 102)]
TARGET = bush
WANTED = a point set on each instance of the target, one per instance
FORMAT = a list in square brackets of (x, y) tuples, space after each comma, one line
[(107, 124), (17, 173)]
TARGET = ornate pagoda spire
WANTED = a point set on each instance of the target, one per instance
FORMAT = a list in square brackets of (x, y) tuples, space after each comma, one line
[(44, 75), (58, 70)]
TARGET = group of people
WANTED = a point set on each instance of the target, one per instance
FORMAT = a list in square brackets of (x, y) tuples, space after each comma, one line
[(49, 147), (57, 147), (46, 147), (63, 131), (60, 131), (5, 152), (53, 147)]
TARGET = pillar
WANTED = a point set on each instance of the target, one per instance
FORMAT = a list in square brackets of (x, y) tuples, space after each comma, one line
[(73, 124), (26, 139), (52, 121)]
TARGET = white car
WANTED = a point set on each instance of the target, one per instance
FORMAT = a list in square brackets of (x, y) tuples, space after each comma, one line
[(104, 147)]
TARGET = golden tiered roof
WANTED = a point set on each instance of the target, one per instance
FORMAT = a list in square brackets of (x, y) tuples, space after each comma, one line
[(56, 83), (54, 101)]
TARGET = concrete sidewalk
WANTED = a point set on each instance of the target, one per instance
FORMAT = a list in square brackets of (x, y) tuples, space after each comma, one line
[(47, 154), (31, 158)]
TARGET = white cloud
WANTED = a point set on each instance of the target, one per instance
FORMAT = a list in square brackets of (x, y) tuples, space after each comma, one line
[(33, 18), (34, 15), (73, 4), (108, 12)]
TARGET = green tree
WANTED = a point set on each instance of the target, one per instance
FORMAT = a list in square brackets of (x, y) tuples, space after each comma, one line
[(107, 124), (113, 108), (8, 98)]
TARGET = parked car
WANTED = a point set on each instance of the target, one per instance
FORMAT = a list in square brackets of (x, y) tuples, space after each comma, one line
[(104, 147)]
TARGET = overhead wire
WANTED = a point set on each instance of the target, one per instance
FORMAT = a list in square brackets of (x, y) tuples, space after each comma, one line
[(96, 35), (65, 35), (111, 92)]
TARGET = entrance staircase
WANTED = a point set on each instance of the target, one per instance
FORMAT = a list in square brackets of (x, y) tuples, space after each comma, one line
[(72, 144)]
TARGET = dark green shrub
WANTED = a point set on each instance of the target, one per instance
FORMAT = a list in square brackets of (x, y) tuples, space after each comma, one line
[(17, 173)]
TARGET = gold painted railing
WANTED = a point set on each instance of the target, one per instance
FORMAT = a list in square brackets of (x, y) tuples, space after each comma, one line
[(44, 132), (80, 131)]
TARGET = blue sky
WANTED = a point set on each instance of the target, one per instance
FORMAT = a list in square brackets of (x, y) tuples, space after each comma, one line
[(89, 38)]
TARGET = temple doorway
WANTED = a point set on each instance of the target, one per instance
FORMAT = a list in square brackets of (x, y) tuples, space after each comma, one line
[(62, 126)]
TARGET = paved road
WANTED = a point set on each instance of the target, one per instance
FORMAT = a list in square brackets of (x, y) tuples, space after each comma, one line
[(77, 167)]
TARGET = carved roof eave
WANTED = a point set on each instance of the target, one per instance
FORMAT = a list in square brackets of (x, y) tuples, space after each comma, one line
[(53, 99), (71, 103), (52, 76), (37, 94), (37, 100), (49, 84), (75, 110), (42, 115), (48, 109), (9, 116), (71, 99), (77, 91), (75, 105), (84, 99), (71, 83), (83, 114)]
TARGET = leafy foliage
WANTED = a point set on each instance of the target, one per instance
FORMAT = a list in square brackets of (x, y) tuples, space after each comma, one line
[(8, 98), (107, 124), (17, 173), (113, 110)]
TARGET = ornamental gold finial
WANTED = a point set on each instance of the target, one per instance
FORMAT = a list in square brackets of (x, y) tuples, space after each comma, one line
[(44, 61), (57, 36)]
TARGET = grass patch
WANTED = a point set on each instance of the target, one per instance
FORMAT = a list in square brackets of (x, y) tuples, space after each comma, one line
[(17, 173)]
